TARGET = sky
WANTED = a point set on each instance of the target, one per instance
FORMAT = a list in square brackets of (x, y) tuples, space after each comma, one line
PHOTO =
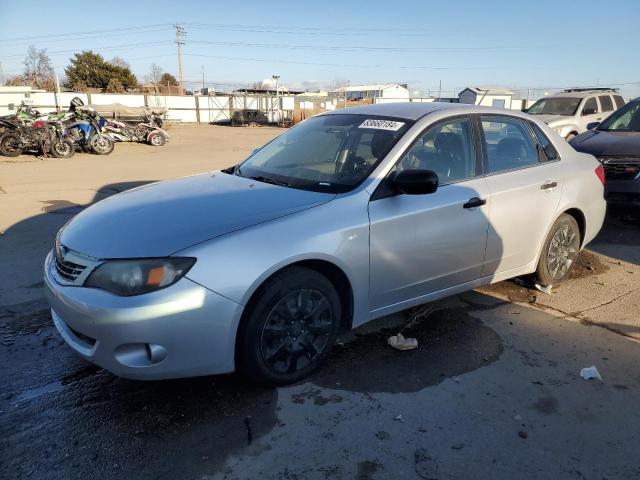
[(533, 47)]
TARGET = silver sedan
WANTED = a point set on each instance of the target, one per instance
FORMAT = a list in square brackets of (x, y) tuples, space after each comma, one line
[(349, 216)]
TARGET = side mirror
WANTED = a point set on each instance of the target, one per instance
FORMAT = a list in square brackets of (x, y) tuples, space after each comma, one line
[(592, 125), (589, 111), (11, 106), (415, 182)]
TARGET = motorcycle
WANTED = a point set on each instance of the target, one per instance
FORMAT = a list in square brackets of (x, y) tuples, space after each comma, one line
[(44, 137), (86, 131), (145, 132)]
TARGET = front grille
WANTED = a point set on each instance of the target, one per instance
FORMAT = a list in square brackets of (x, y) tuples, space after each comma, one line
[(621, 168), (68, 270)]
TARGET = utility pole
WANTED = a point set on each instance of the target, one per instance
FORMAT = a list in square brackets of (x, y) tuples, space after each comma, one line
[(180, 33)]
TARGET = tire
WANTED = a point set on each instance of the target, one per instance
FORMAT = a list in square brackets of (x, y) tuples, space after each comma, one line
[(156, 139), (281, 340), (101, 145), (570, 137), (10, 145), (559, 251), (62, 148)]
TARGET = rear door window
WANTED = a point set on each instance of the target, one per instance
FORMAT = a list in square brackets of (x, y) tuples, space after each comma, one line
[(606, 103), (508, 142), (590, 106)]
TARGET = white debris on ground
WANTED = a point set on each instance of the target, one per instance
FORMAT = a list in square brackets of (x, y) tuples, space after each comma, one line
[(590, 372), (399, 342)]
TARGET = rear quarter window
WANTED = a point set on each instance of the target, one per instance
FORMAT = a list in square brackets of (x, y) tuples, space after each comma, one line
[(550, 151), (619, 101)]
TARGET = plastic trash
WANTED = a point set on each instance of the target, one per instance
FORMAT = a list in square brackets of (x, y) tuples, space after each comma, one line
[(590, 372), (399, 342), (546, 290)]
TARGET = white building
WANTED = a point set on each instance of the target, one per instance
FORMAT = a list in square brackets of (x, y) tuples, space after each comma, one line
[(363, 92), (496, 97)]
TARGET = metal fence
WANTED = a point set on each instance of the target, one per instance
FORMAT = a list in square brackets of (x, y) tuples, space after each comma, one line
[(190, 109)]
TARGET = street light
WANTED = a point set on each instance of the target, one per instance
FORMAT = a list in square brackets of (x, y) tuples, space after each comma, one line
[(276, 77)]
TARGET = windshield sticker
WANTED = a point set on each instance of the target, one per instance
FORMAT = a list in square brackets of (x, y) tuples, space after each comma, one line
[(382, 125)]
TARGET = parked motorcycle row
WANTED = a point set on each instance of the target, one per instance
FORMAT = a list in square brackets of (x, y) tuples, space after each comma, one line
[(81, 128)]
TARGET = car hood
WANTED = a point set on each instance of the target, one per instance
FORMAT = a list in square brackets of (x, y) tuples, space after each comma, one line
[(614, 144), (553, 120), (162, 218)]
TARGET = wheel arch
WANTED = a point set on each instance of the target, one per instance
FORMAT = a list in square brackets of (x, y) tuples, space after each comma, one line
[(579, 217), (329, 269)]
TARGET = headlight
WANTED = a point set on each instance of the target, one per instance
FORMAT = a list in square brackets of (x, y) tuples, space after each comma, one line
[(559, 130), (135, 277)]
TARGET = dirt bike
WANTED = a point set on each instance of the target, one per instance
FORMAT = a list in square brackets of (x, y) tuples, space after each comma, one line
[(41, 136)]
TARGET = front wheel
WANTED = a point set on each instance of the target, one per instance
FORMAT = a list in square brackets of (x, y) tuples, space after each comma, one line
[(101, 145), (62, 148), (290, 328), (559, 252), (10, 145)]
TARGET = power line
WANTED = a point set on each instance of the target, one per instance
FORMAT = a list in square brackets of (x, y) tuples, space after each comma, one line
[(317, 64), (371, 48), (87, 37), (110, 47), (73, 34)]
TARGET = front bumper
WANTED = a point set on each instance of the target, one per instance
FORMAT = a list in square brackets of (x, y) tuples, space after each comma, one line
[(181, 331)]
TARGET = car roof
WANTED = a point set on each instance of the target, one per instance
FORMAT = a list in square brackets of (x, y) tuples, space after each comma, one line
[(406, 110)]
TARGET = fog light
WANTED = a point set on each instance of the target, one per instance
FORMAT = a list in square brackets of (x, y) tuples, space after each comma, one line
[(140, 354)]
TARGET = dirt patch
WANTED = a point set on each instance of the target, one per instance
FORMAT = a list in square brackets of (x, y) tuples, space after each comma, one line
[(451, 343), (522, 289), (588, 264)]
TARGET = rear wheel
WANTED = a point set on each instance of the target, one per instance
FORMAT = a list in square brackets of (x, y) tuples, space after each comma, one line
[(559, 252), (290, 328), (156, 139), (10, 145), (62, 149)]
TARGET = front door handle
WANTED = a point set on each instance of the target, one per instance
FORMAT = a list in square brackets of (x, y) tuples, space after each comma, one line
[(474, 202), (547, 185)]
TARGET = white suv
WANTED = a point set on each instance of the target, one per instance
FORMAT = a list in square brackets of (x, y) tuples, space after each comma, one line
[(568, 113)]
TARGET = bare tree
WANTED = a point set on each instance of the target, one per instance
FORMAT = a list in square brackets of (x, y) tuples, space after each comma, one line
[(38, 72), (155, 73), (120, 62)]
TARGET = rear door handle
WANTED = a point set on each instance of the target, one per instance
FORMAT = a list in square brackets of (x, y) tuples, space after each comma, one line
[(547, 185), (474, 202)]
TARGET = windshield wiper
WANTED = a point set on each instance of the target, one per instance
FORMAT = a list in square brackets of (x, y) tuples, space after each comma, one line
[(260, 178)]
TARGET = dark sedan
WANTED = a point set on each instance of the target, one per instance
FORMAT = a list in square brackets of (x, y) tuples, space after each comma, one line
[(616, 144)]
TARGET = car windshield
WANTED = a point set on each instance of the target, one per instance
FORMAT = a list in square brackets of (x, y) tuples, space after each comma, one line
[(328, 153), (566, 106), (627, 119)]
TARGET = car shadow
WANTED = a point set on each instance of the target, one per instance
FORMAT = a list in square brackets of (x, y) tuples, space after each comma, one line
[(620, 235), (24, 245)]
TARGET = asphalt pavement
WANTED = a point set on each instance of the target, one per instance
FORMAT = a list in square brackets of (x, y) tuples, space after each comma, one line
[(493, 391)]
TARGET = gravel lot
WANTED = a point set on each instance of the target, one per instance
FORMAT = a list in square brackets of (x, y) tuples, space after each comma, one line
[(493, 391)]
